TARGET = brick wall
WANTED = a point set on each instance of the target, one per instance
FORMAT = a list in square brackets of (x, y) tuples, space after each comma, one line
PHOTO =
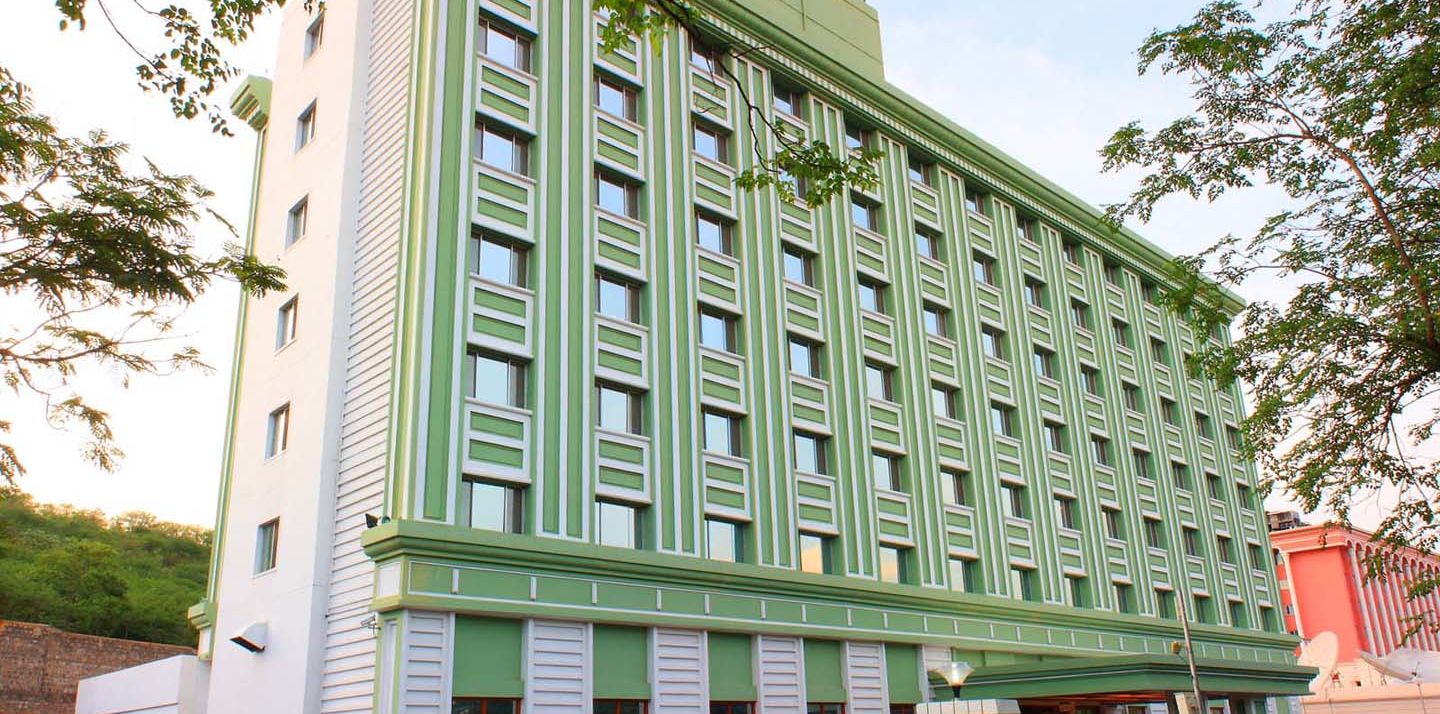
[(40, 666)]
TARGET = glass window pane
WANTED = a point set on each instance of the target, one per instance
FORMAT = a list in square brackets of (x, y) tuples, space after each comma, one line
[(617, 525), (708, 144), (889, 564), (615, 299), (870, 297), (712, 235), (720, 539), (715, 331), (494, 381), (614, 196), (615, 410), (807, 454), (488, 506), (720, 433), (797, 267), (498, 263)]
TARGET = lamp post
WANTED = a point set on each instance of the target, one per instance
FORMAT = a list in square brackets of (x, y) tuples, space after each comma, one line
[(954, 674), (1189, 651)]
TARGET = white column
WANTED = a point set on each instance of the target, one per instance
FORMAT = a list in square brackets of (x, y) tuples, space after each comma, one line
[(781, 674), (679, 672), (557, 667), (865, 683)]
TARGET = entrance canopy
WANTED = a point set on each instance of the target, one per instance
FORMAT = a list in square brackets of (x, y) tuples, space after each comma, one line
[(1135, 678)]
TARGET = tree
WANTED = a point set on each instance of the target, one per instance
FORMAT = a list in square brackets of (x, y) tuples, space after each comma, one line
[(1336, 105), (817, 171), (107, 256)]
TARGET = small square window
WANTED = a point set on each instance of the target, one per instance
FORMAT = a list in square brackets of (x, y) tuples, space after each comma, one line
[(927, 244), (267, 546), (943, 397), (1002, 420), (277, 431), (921, 171), (616, 98), (617, 298), (1015, 502), (495, 379), (616, 195), (286, 320), (712, 144), (723, 542), (937, 321), (618, 524), (804, 357), (619, 409), (714, 234), (504, 46), (722, 433), (495, 507), (1035, 294), (992, 342), (314, 35), (977, 202), (498, 259), (799, 266), (872, 296), (788, 101), (810, 456), (984, 268), (879, 382), (718, 331), (956, 486), (1044, 361), (815, 554), (865, 215), (893, 565), (1055, 437), (502, 149), (305, 126), (886, 470), (297, 221)]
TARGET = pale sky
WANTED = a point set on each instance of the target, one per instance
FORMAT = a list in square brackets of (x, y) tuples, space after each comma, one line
[(1046, 82)]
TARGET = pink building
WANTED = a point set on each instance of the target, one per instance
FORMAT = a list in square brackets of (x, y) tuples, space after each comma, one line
[(1323, 587)]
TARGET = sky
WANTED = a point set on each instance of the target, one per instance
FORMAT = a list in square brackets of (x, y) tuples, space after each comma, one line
[(1045, 81)]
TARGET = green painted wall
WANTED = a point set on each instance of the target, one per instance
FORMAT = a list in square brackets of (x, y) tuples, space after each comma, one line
[(902, 673), (622, 662), (825, 671), (489, 657), (731, 667)]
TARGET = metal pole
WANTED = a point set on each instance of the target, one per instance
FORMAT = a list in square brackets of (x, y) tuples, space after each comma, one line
[(1189, 651)]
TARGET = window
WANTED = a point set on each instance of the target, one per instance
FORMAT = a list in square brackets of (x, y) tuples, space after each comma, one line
[(617, 298), (1002, 420), (495, 379), (1205, 609), (962, 575), (992, 341), (1225, 549), (501, 149), (1165, 603), (1192, 541), (865, 215), (1149, 292), (618, 524), (722, 433), (810, 454), (788, 101), (494, 507), (977, 201), (1212, 484), (818, 708), (937, 321), (872, 296), (617, 195), (1080, 314), (1233, 438), (943, 397), (804, 357), (1079, 591), (267, 545), (1154, 537), (1159, 351), (927, 244), (712, 144), (1141, 459), (857, 138), (297, 221), (723, 542), (285, 322), (305, 127), (1015, 506), (1203, 425), (1035, 294), (956, 486), (799, 266), (314, 35), (714, 234), (1025, 229), (815, 554), (1237, 615), (886, 470), (1100, 450), (1065, 511), (1131, 393), (718, 330), (1256, 555), (1044, 363), (1168, 411), (1090, 380), (984, 268), (1071, 250), (1112, 274), (703, 57), (1244, 497), (1180, 474), (616, 98), (1055, 437), (1124, 598), (1022, 583), (484, 705), (921, 171), (277, 431), (504, 46), (1113, 527), (1122, 333), (498, 260), (892, 565), (619, 409), (879, 382)]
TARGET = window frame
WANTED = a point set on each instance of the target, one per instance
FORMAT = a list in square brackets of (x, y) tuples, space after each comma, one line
[(634, 407), (297, 221), (267, 547), (631, 291), (630, 192), (515, 375), (314, 36), (277, 431), (307, 124), (726, 233), (523, 59), (518, 258), (287, 322), (628, 94), (730, 325), (518, 161), (512, 506)]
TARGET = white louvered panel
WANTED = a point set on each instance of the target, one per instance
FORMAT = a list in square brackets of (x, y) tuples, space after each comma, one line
[(425, 671), (933, 658), (681, 684), (557, 668), (782, 675), (865, 678)]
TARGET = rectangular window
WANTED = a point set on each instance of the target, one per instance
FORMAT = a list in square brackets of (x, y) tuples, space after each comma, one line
[(1055, 437), (1065, 512), (494, 507), (1212, 484), (1131, 394), (810, 455), (1022, 583), (712, 144), (879, 382), (872, 296), (1025, 229), (977, 201), (937, 321), (1122, 333), (618, 524), (286, 320), (314, 35), (1169, 412), (277, 431), (1080, 314), (1100, 451), (893, 568), (1203, 426), (617, 298), (305, 127), (267, 546), (1233, 438), (1224, 548), (1090, 380), (714, 234), (956, 486), (1035, 294), (1071, 250), (297, 221), (788, 101), (1244, 497), (1192, 541), (1079, 591), (1237, 615), (619, 409), (1180, 474), (927, 244), (498, 260), (1159, 351), (1112, 274), (886, 470), (804, 357), (1165, 603), (501, 149), (495, 379), (722, 433), (943, 398), (718, 330), (1044, 361), (504, 46), (1257, 556), (484, 705), (921, 171), (815, 554), (1141, 459), (616, 98), (799, 266), (616, 195), (857, 138), (1002, 420), (704, 57), (1124, 598), (962, 574), (1149, 292), (1015, 505), (1114, 528), (723, 542), (992, 342), (864, 214), (1154, 537), (984, 268)]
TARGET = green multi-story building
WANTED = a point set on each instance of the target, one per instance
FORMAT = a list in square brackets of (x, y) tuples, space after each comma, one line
[(630, 438)]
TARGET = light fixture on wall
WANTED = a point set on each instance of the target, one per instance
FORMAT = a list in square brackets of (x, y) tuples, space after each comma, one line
[(253, 637)]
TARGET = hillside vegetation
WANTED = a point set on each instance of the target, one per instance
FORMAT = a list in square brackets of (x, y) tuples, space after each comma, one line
[(132, 576)]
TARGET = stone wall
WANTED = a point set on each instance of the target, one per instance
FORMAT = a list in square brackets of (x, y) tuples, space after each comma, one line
[(40, 666)]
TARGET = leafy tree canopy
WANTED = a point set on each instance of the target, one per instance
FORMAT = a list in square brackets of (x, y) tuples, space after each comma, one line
[(1336, 105)]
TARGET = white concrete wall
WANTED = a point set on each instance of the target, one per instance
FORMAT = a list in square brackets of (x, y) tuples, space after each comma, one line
[(169, 686)]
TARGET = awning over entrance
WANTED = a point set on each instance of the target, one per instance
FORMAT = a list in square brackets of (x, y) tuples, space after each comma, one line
[(1135, 678)]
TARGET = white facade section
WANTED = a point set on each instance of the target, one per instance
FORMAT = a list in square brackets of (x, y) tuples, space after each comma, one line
[(176, 685), (678, 677), (427, 663), (781, 674), (865, 678), (557, 667)]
